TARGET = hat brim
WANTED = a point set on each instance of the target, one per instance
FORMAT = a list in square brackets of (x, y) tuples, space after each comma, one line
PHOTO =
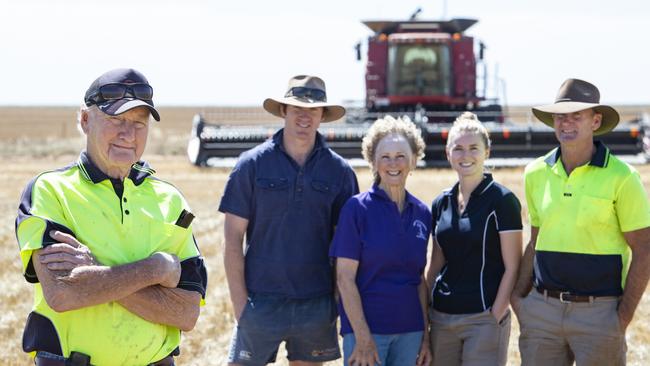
[(609, 121), (119, 106), (331, 113)]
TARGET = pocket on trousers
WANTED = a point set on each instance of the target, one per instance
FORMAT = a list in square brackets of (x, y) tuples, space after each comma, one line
[(504, 319), (245, 310)]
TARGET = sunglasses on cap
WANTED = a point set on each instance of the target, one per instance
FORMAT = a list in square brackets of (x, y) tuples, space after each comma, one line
[(118, 91), (309, 93)]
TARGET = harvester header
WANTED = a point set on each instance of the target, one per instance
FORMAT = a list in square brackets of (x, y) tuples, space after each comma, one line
[(431, 72)]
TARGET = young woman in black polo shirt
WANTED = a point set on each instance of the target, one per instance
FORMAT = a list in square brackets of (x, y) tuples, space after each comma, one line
[(476, 253)]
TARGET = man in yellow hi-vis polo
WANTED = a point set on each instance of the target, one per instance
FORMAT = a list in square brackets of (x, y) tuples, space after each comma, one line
[(109, 248), (588, 257)]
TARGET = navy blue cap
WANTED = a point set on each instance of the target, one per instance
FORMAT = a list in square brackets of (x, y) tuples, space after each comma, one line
[(115, 107)]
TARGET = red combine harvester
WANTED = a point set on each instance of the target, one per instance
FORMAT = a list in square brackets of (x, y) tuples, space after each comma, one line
[(431, 72), (428, 67)]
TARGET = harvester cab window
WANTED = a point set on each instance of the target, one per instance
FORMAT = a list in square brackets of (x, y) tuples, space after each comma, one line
[(418, 69)]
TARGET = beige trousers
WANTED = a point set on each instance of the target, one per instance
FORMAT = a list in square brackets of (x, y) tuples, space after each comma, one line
[(557, 333), (469, 339)]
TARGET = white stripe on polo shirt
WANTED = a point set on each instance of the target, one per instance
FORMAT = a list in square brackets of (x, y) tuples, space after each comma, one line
[(485, 228)]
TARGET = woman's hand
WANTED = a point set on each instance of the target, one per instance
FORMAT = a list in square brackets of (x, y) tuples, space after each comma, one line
[(425, 357), (499, 313), (365, 352)]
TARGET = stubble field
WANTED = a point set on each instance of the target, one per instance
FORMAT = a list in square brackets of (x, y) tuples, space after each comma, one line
[(23, 155)]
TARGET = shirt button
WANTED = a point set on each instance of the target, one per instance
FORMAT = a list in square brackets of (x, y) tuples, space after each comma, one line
[(299, 189), (124, 199), (126, 212)]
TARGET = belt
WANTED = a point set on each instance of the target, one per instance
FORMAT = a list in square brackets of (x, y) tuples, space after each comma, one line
[(565, 296), (60, 361)]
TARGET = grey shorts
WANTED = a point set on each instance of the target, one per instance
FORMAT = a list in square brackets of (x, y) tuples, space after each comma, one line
[(308, 326)]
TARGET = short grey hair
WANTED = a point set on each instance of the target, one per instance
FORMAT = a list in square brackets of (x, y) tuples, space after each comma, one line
[(389, 125)]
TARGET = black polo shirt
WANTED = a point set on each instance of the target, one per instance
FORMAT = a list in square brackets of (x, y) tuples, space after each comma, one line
[(469, 281)]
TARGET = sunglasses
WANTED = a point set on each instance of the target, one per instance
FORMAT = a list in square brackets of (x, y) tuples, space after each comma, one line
[(118, 91), (309, 93)]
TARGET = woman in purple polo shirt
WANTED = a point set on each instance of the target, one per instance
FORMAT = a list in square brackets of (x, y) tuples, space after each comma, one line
[(475, 257), (380, 246)]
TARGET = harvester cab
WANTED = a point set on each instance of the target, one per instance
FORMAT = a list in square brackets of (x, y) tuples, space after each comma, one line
[(425, 65)]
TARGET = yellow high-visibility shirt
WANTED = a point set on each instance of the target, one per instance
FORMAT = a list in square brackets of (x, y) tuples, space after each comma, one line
[(581, 219), (121, 222)]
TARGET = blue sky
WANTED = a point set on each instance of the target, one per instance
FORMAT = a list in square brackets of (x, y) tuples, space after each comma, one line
[(197, 52)]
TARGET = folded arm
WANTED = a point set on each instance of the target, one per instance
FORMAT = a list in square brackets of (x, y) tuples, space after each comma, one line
[(176, 307), (71, 280)]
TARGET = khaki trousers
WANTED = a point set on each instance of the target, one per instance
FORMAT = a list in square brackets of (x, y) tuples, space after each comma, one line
[(469, 339), (557, 333)]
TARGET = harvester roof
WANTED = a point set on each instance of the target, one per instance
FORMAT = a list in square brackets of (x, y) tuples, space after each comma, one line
[(457, 25)]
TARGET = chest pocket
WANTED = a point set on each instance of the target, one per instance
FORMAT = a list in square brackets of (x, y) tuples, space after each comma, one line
[(319, 199), (322, 186), (273, 196), (594, 211)]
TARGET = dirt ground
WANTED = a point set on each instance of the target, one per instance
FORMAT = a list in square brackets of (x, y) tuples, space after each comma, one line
[(25, 155)]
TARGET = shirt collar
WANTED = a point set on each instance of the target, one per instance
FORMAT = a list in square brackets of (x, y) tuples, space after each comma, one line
[(139, 171), (479, 190), (599, 159)]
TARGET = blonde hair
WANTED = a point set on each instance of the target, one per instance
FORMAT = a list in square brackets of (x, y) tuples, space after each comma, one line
[(468, 122), (387, 126)]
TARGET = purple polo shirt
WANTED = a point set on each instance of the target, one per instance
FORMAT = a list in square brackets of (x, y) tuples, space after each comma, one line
[(392, 252)]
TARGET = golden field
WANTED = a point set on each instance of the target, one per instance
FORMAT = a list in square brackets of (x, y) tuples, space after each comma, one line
[(37, 139)]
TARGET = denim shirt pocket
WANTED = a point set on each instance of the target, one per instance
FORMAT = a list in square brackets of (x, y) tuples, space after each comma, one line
[(322, 186), (273, 195)]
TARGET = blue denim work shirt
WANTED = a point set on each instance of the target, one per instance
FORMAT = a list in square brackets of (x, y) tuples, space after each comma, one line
[(291, 212)]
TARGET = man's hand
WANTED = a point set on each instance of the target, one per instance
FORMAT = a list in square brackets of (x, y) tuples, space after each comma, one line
[(170, 268), (624, 322), (239, 310), (66, 255)]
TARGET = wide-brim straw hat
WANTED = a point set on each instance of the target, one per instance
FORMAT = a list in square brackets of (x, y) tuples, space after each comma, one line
[(577, 95), (307, 92)]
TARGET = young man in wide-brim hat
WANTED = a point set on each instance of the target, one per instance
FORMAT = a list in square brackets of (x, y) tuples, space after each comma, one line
[(590, 240), (285, 196)]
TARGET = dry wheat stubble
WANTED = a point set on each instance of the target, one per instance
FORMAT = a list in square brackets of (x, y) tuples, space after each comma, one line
[(207, 344)]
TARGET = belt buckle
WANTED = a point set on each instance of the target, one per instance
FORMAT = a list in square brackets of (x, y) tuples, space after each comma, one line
[(562, 300)]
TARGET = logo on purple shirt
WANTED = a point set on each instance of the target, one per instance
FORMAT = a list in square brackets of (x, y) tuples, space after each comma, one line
[(422, 228)]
